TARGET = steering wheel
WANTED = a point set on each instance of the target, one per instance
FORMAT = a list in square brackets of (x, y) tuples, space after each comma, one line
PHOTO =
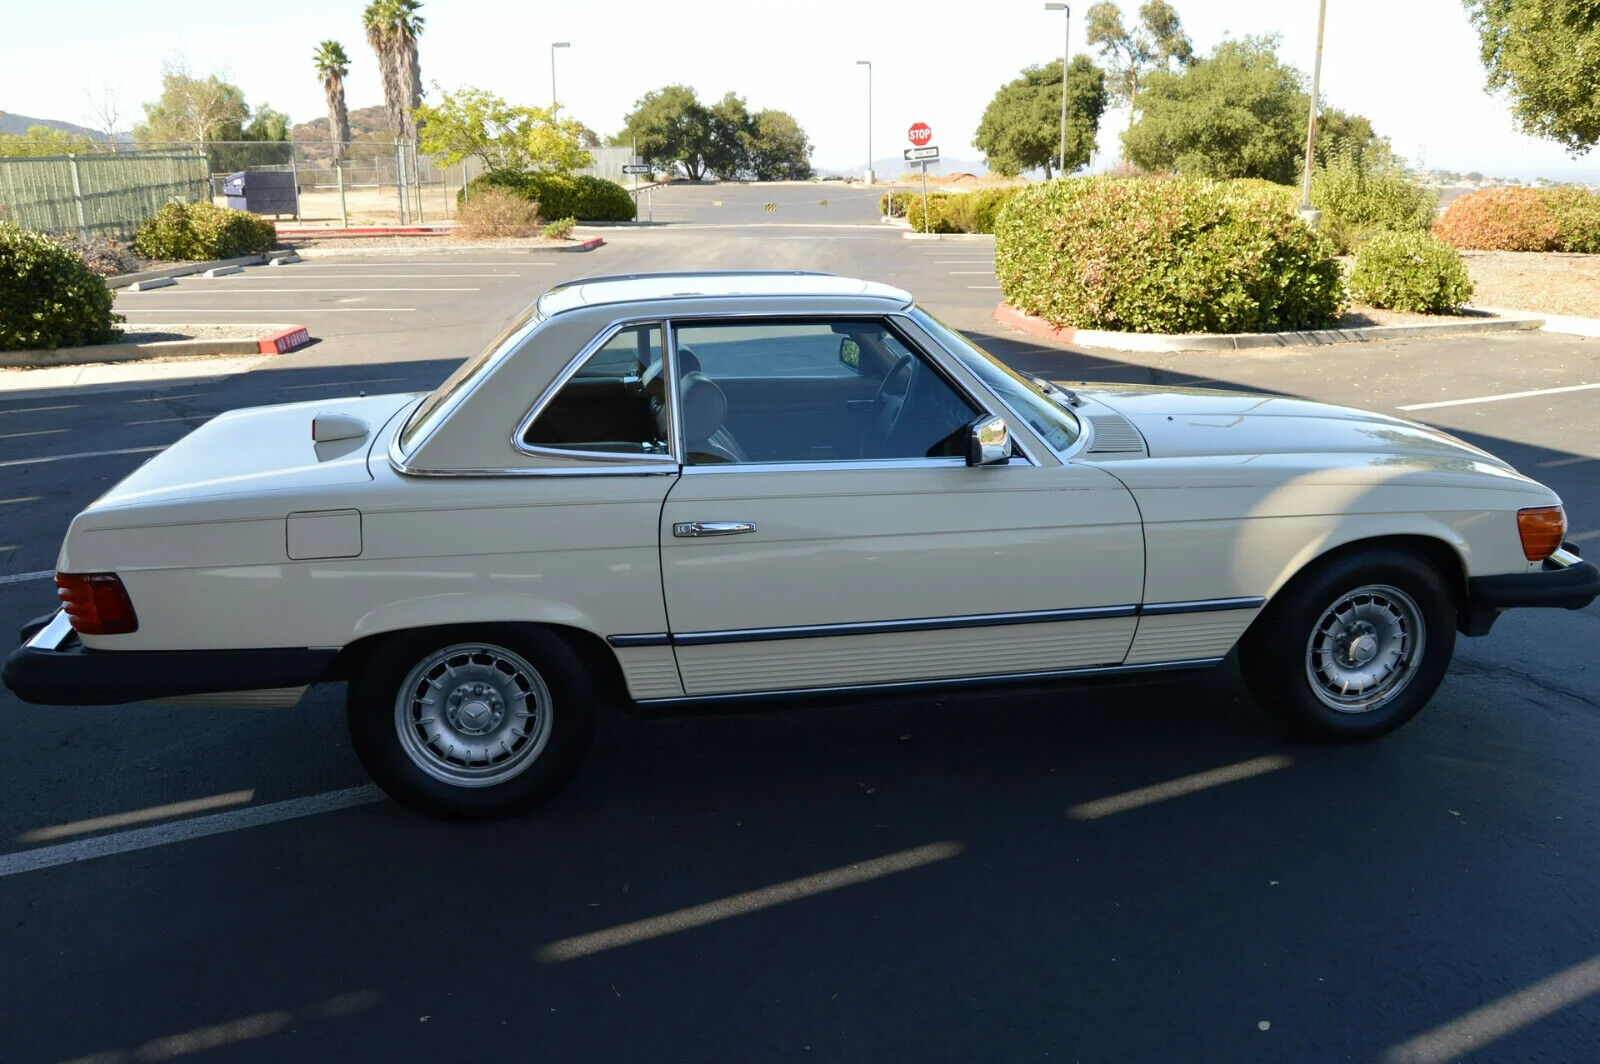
[(890, 402)]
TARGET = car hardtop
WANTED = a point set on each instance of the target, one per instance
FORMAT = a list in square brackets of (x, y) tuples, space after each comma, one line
[(735, 285)]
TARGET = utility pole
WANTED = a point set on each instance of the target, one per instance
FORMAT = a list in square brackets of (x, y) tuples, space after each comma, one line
[(1311, 215), (1066, 48), (868, 64)]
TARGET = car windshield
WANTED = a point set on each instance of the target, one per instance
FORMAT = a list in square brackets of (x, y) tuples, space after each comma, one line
[(438, 401), (1044, 407)]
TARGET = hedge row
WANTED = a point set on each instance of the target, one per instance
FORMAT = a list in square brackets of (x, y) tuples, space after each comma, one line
[(1523, 219), (48, 296), (580, 196), (1165, 255), (201, 232)]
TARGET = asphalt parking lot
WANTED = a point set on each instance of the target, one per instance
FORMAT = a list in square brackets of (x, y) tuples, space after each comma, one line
[(916, 880)]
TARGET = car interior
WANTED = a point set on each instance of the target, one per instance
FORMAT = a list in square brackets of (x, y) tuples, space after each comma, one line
[(778, 391)]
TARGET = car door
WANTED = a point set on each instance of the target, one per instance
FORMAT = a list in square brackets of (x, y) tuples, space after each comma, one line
[(896, 562)]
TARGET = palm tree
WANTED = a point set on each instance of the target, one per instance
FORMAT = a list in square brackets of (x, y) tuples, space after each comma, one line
[(332, 65), (392, 29)]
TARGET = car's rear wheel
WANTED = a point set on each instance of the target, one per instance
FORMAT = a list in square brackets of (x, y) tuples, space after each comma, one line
[(1353, 648), (478, 722)]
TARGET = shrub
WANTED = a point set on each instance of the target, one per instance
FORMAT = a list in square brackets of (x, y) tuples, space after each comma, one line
[(496, 213), (1358, 201), (1577, 214), (986, 206), (559, 229), (48, 296), (939, 218), (101, 254), (1410, 271), (580, 196), (895, 204), (1499, 219), (203, 231), (1164, 255)]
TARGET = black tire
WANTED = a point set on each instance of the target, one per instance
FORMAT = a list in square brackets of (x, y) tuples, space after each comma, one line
[(399, 765), (1283, 673)]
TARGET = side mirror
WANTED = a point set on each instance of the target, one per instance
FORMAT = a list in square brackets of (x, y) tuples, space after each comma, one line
[(850, 353), (988, 442)]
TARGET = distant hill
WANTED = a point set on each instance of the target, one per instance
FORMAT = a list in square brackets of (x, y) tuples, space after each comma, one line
[(363, 121), (15, 123)]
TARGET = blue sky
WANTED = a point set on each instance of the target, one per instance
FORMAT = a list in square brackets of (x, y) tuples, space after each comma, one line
[(1410, 65)]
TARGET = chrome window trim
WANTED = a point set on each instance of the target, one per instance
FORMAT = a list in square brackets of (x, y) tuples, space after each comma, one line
[(932, 624), (635, 470), (588, 351), (947, 683)]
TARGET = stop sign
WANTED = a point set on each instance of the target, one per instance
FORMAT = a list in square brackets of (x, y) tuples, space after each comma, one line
[(919, 134)]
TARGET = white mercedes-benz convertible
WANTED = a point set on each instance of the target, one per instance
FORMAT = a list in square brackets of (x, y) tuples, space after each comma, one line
[(669, 489)]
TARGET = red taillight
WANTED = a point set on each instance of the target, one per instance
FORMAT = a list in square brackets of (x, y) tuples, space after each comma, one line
[(1542, 528), (96, 603)]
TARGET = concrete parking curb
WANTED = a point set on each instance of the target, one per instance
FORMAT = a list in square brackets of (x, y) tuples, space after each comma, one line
[(1567, 324), (428, 249), (126, 280), (584, 245), (1006, 314), (276, 343)]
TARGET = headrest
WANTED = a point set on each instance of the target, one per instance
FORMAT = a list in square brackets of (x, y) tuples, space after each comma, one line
[(702, 408)]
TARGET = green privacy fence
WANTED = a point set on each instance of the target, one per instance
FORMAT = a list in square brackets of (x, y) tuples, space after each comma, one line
[(102, 194)]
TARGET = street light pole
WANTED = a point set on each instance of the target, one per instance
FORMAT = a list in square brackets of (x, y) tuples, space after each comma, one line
[(1066, 47), (553, 46), (1310, 214), (868, 64)]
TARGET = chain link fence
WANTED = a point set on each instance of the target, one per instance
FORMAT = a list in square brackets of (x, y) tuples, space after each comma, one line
[(363, 182)]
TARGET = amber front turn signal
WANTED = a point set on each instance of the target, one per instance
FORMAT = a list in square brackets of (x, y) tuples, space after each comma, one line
[(1542, 529), (96, 603)]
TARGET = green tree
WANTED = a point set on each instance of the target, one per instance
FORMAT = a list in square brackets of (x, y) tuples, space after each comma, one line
[(266, 125), (473, 124), (393, 27), (671, 128), (1239, 112), (194, 110), (778, 148), (1133, 52), (1341, 134), (42, 140), (1021, 127), (728, 130), (1545, 54), (332, 65)]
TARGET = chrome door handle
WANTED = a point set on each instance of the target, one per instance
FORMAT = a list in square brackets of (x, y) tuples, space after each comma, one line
[(695, 529)]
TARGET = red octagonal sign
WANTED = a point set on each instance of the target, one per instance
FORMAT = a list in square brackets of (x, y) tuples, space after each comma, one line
[(919, 134)]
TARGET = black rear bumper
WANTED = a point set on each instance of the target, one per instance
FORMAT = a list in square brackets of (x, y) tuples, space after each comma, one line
[(54, 669), (1565, 582)]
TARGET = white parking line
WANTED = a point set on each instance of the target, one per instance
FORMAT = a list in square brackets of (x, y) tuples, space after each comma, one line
[(81, 454), (362, 265), (169, 420), (39, 409), (223, 281), (136, 816), (339, 384), (1500, 398), (272, 310), (17, 578), (985, 287), (970, 273), (228, 290), (959, 262), (18, 498), (1160, 792), (183, 830), (35, 432)]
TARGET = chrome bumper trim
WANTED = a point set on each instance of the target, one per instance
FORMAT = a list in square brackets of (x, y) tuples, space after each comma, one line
[(54, 635)]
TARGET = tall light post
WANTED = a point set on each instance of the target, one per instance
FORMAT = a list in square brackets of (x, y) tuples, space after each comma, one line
[(868, 64), (1309, 213), (1066, 46), (553, 46)]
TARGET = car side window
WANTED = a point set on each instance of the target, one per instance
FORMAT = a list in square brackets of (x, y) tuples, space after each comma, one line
[(824, 390), (607, 406)]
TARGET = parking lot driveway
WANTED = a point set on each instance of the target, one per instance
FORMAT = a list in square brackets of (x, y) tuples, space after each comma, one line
[(1146, 873), (762, 203)]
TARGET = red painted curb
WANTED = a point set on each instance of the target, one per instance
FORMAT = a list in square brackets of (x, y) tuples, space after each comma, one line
[(1022, 321), (284, 340), (371, 230), (589, 245)]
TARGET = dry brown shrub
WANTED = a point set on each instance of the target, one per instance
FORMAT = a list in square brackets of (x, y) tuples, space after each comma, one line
[(496, 213)]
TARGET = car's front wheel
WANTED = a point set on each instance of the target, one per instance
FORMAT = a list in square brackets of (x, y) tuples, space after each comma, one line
[(1353, 648), (475, 722)]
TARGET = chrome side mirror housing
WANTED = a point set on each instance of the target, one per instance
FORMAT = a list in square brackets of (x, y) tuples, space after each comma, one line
[(988, 442)]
